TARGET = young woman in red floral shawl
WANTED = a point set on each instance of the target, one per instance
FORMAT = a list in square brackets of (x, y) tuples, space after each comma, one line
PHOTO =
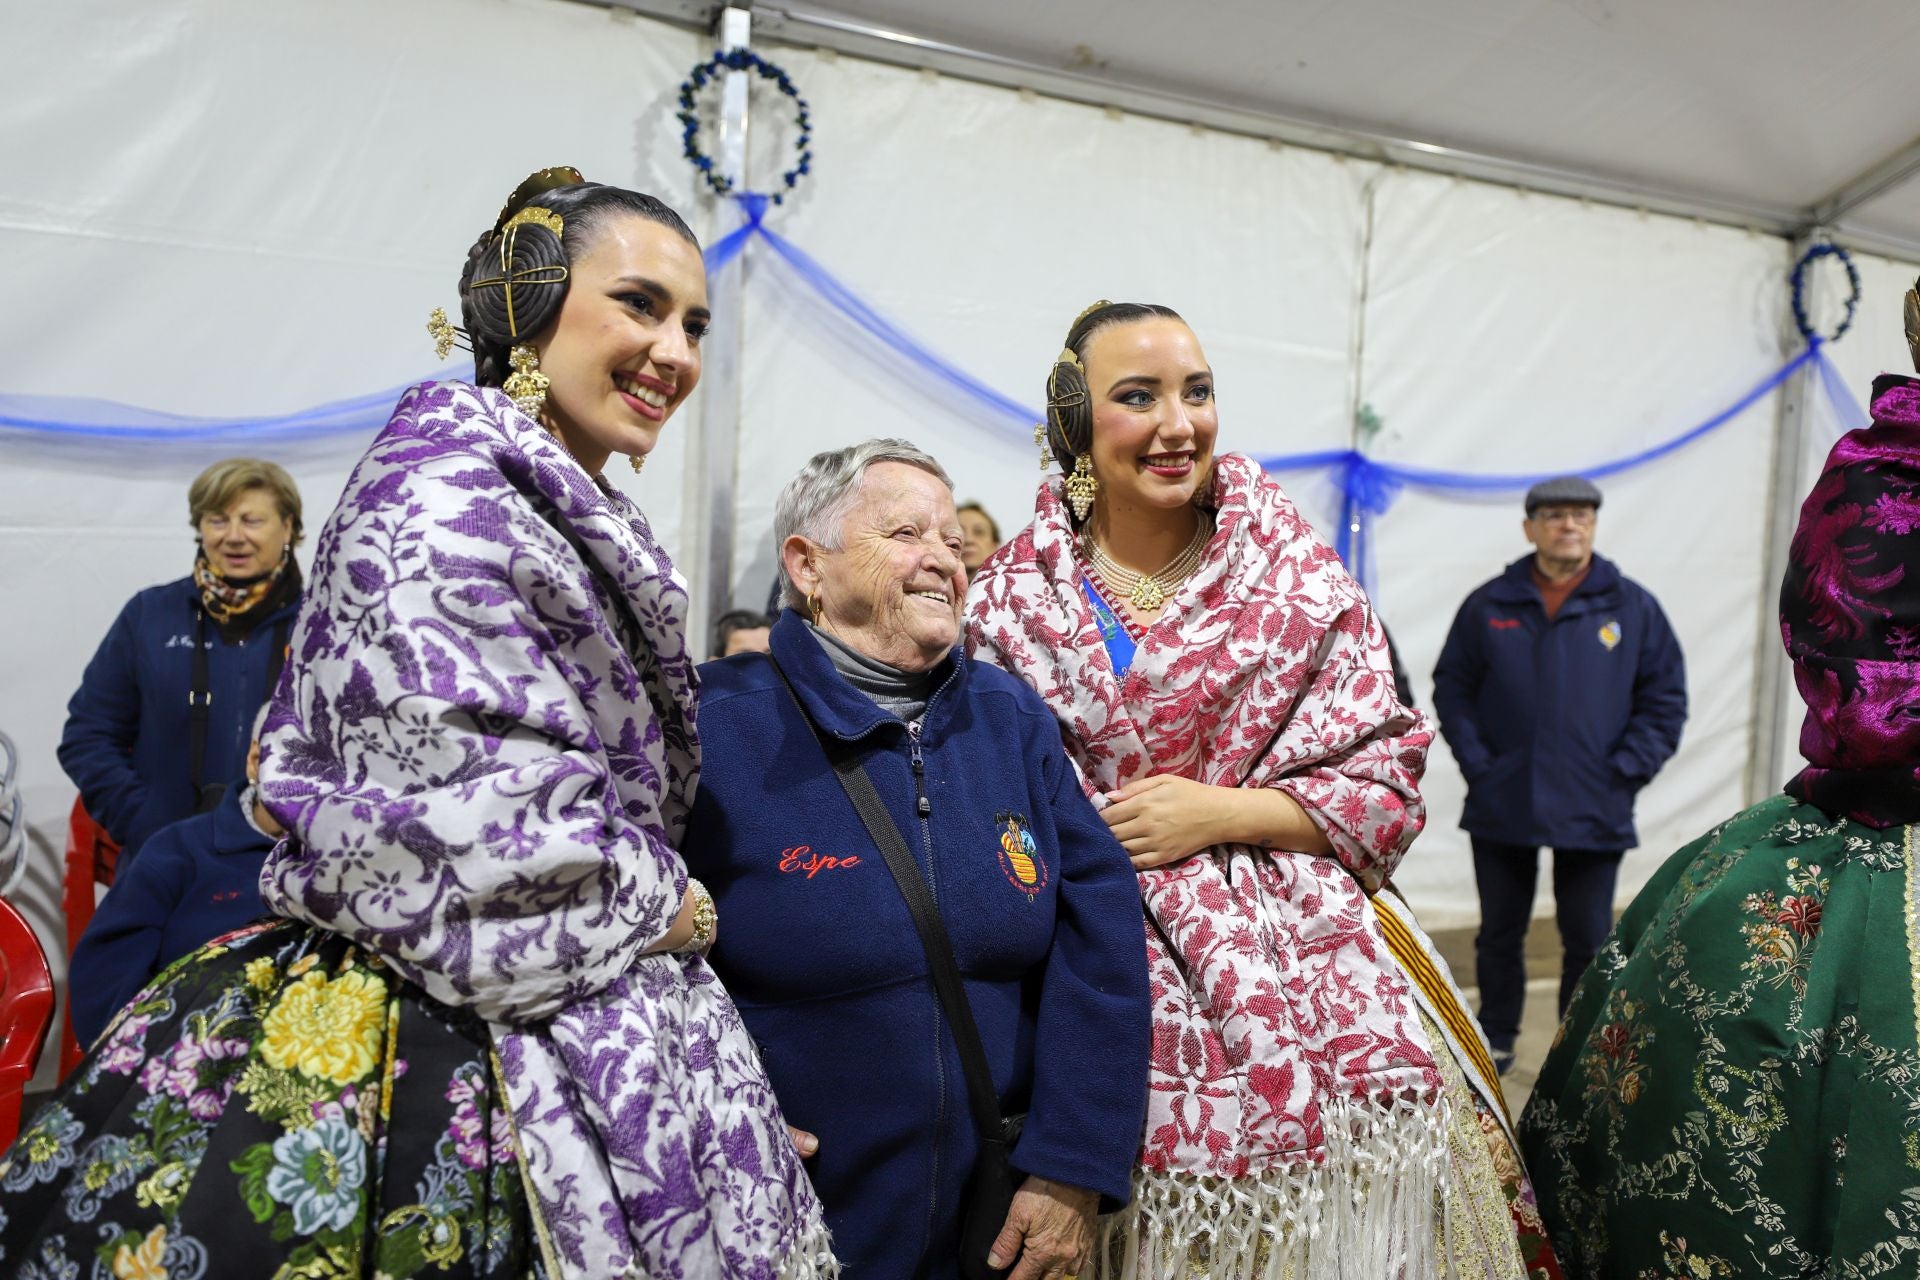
[(1224, 688)]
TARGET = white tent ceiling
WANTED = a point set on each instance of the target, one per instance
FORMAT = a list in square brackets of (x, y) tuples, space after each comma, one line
[(1776, 114)]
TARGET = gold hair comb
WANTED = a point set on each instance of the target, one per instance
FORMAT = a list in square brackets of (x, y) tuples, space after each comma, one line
[(537, 184)]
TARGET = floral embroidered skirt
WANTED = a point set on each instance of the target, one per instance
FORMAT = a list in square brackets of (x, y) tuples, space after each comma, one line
[(1736, 1088), (279, 1103)]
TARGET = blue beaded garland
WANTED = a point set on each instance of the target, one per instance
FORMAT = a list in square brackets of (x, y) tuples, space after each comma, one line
[(1807, 259), (742, 60)]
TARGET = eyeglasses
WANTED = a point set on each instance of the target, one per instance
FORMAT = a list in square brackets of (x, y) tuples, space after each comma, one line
[(1573, 515)]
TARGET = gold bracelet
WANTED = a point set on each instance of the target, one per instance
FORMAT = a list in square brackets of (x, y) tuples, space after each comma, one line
[(706, 917)]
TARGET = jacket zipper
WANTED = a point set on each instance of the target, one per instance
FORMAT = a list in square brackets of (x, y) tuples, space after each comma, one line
[(923, 807)]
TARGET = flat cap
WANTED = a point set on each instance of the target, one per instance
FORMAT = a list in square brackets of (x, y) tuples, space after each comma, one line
[(1563, 491)]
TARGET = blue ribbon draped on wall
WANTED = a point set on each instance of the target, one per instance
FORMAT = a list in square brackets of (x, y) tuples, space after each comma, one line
[(1368, 486)]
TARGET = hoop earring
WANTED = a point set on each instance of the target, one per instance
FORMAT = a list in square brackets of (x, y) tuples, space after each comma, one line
[(527, 388), (1082, 487), (813, 606)]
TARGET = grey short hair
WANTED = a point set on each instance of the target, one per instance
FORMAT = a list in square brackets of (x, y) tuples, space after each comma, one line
[(815, 502)]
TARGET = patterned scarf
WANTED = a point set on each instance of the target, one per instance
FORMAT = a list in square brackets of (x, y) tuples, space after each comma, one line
[(1289, 1067), (484, 756), (238, 606)]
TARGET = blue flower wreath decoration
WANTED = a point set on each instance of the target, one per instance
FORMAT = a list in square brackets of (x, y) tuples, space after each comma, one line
[(1807, 259), (742, 60)]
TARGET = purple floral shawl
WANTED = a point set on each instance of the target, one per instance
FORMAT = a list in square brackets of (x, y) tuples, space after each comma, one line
[(484, 749), (1850, 613)]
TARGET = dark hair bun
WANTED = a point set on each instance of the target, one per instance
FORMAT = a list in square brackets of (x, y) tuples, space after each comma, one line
[(511, 301), (514, 284), (1069, 410)]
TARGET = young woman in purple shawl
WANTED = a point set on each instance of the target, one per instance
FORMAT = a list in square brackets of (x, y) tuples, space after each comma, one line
[(485, 1041)]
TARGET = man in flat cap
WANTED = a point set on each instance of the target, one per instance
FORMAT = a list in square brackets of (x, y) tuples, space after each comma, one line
[(1561, 691)]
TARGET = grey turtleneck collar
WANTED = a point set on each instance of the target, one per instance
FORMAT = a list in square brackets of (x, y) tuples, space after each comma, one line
[(900, 693)]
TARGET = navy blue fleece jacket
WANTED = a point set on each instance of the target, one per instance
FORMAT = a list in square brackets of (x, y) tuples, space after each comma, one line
[(197, 879), (126, 738), (819, 952)]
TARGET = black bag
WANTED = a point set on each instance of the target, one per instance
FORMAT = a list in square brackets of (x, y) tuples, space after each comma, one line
[(991, 1185)]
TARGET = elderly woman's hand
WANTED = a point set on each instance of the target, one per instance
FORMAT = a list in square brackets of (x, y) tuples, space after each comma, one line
[(1049, 1229)]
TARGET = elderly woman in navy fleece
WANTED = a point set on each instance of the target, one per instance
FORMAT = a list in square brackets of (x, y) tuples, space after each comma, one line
[(820, 951)]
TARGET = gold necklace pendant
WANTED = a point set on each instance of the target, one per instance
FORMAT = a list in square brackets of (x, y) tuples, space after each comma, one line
[(1148, 595)]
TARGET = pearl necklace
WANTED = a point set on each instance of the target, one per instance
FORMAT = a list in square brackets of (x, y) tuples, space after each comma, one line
[(1146, 592)]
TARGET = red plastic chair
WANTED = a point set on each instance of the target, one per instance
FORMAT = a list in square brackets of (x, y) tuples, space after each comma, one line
[(26, 1014), (92, 858)]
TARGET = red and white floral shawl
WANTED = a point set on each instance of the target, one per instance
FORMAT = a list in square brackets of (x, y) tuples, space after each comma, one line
[(1279, 1013)]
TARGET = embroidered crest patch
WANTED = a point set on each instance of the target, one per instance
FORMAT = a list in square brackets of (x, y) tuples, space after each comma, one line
[(1610, 634), (1019, 856)]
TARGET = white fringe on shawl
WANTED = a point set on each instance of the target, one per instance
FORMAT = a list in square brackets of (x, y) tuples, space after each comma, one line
[(1369, 1208), (810, 1257)]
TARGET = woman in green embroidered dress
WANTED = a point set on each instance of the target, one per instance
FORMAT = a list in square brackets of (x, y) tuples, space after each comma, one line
[(1736, 1088)]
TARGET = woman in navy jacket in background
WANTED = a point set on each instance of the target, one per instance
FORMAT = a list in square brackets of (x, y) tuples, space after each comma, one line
[(151, 736), (820, 952), (198, 879)]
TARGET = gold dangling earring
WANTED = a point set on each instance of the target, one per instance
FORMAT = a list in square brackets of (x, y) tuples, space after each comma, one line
[(813, 606), (527, 388), (1040, 438), (639, 461), (1082, 487)]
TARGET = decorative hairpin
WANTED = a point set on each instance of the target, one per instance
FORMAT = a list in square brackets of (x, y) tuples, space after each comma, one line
[(446, 334), (537, 184), (1912, 317), (1084, 314), (537, 215)]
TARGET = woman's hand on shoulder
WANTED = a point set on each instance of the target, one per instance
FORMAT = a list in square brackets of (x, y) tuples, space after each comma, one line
[(1049, 1229), (1164, 818)]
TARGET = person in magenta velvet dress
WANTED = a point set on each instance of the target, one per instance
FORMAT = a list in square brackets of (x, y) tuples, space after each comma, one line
[(1736, 1088)]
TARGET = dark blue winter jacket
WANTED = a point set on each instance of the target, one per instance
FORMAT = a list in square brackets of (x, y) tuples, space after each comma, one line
[(819, 952), (195, 880), (126, 741), (1557, 725)]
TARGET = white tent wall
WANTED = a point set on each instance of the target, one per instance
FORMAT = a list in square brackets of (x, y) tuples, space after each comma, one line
[(1515, 333), (229, 207), (984, 221)]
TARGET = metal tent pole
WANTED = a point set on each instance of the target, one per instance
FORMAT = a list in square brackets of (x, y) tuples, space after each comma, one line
[(1776, 705), (712, 476)]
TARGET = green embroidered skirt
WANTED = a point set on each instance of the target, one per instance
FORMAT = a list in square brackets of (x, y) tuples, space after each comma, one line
[(1736, 1088)]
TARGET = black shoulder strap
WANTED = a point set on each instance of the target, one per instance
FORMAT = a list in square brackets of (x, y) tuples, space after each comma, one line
[(277, 660), (199, 700), (926, 916)]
